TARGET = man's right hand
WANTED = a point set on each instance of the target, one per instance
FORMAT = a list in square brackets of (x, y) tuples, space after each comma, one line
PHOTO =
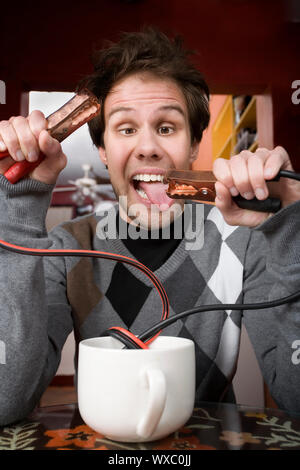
[(25, 138)]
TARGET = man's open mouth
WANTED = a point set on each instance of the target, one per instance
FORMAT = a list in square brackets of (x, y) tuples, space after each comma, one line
[(151, 189)]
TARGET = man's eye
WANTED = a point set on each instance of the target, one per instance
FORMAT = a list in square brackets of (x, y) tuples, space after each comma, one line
[(127, 131), (163, 130)]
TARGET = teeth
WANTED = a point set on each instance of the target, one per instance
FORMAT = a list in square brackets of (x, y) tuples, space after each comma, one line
[(142, 193), (148, 177)]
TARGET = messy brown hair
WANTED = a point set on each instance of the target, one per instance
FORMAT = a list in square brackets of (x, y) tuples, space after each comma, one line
[(148, 51)]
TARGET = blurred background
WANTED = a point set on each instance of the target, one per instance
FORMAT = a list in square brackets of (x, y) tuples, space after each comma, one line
[(248, 51)]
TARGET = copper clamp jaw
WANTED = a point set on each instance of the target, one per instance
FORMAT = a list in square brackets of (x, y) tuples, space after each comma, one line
[(200, 186), (186, 184)]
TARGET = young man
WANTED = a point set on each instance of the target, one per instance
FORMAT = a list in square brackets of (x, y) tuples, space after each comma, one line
[(154, 110)]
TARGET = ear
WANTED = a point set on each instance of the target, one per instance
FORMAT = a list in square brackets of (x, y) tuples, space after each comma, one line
[(194, 151), (102, 154)]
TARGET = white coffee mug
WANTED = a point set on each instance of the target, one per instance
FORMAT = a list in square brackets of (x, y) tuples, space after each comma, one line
[(136, 395)]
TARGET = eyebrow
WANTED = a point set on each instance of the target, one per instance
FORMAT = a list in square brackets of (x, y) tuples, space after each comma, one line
[(170, 107), (118, 110)]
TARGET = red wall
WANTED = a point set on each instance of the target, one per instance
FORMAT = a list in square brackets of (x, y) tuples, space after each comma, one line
[(243, 47)]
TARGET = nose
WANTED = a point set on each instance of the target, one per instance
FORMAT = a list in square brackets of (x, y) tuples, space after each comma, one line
[(147, 145)]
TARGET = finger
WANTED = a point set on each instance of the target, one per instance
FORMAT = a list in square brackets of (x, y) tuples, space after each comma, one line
[(277, 159), (10, 139), (26, 138), (239, 171), (256, 164), (222, 172)]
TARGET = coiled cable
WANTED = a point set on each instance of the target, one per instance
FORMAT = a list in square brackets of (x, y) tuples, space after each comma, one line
[(130, 340)]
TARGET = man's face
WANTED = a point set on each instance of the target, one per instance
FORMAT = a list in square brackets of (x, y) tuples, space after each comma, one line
[(146, 132)]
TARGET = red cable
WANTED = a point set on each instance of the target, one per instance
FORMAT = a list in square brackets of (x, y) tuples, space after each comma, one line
[(137, 341), (112, 256)]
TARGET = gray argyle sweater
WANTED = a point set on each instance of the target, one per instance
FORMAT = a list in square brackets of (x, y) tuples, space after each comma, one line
[(43, 299)]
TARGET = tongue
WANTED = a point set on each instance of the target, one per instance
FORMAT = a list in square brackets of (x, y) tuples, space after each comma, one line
[(156, 193)]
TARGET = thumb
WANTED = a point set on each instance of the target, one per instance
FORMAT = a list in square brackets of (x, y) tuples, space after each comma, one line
[(5, 164), (234, 215), (48, 145), (52, 149), (55, 160), (223, 199)]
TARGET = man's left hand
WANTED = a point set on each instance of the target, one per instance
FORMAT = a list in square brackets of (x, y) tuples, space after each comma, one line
[(247, 174)]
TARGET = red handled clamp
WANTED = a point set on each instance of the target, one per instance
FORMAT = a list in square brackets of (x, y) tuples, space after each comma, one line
[(80, 109)]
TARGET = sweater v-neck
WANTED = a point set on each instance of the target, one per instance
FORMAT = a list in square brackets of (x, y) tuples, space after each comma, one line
[(170, 253)]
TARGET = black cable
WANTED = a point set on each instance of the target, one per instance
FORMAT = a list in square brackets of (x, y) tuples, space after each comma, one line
[(98, 254), (128, 342), (148, 335), (286, 174), (209, 308)]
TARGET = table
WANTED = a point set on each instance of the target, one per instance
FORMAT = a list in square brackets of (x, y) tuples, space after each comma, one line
[(212, 426)]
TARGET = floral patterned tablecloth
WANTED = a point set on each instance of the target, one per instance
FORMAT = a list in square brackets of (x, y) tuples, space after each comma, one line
[(212, 426)]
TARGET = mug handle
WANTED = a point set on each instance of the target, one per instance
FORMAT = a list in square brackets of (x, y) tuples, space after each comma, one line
[(156, 382)]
